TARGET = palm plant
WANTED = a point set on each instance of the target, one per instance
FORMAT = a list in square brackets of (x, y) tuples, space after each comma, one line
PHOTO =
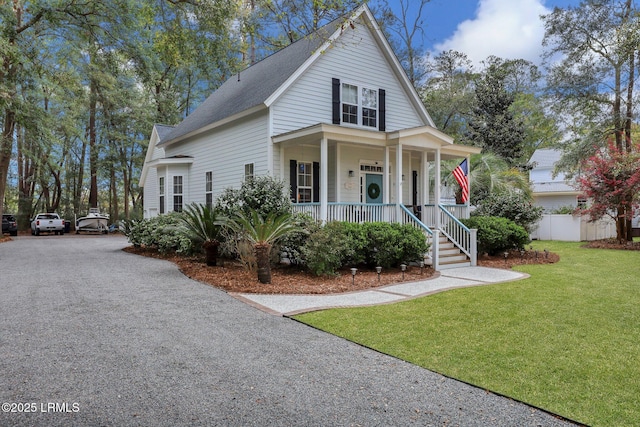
[(489, 174), (263, 233), (202, 224)]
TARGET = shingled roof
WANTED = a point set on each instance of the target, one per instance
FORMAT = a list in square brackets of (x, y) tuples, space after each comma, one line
[(251, 87)]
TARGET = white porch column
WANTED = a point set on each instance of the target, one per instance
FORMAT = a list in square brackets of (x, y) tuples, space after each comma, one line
[(424, 197), (281, 162), (324, 178), (339, 179), (386, 189), (398, 179), (436, 190)]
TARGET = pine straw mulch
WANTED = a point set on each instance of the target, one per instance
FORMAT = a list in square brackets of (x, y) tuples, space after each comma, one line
[(232, 277)]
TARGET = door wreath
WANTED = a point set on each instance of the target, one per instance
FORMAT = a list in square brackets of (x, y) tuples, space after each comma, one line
[(373, 191)]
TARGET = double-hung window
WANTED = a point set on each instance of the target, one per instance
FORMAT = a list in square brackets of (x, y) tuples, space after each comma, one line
[(248, 171), (349, 104), (177, 193), (208, 189), (369, 107), (305, 182), (359, 105), (161, 193)]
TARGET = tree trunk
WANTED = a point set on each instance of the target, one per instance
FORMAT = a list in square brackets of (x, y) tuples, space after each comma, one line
[(93, 149), (211, 252), (263, 260)]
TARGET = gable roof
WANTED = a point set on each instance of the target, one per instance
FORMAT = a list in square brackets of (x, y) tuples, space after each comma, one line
[(163, 130), (259, 85), (545, 158), (251, 87)]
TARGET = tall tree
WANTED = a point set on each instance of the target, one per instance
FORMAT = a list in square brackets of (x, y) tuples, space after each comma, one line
[(492, 125), (407, 36), (595, 79), (448, 92)]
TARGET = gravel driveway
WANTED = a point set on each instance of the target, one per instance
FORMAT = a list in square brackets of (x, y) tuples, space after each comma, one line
[(93, 336)]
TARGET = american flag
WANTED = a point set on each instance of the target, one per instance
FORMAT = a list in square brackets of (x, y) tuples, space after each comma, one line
[(461, 173)]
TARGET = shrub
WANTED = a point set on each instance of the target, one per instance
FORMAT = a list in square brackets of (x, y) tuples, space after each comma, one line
[(496, 234), (264, 194), (293, 243), (340, 244), (327, 249), (393, 244), (161, 232), (514, 206)]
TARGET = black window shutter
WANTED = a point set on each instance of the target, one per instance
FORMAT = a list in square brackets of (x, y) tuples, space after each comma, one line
[(335, 94), (382, 106), (316, 182), (293, 179)]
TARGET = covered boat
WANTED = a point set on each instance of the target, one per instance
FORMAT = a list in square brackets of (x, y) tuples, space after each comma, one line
[(94, 221)]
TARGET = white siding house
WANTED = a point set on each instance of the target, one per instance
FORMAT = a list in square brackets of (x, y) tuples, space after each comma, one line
[(335, 117), (554, 192), (549, 191)]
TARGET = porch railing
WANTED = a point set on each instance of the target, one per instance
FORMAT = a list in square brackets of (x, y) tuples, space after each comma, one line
[(431, 212), (351, 212), (458, 233)]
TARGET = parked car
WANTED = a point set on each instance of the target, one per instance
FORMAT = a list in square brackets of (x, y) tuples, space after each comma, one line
[(9, 224), (47, 223)]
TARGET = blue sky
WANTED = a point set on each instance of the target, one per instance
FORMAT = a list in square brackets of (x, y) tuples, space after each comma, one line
[(509, 29)]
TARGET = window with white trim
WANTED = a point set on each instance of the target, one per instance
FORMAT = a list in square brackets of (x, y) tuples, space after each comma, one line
[(177, 193), (248, 171), (369, 107), (161, 193), (359, 105), (208, 189), (349, 104), (305, 182)]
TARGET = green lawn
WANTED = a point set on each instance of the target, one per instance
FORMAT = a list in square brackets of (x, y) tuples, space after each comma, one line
[(567, 339)]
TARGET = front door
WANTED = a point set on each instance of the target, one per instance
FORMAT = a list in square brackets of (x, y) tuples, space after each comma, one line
[(373, 188)]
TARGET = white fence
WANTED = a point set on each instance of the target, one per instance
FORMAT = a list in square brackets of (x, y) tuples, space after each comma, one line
[(573, 228)]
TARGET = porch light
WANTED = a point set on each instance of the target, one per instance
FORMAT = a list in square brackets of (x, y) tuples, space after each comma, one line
[(351, 174), (353, 275), (403, 267), (378, 270)]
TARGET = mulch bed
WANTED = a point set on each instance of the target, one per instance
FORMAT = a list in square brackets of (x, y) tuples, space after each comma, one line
[(613, 244), (231, 276)]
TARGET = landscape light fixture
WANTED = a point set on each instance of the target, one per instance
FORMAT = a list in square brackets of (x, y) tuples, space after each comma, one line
[(378, 270), (403, 267), (353, 275), (421, 267)]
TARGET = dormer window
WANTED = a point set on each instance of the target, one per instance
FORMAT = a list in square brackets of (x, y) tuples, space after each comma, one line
[(358, 105)]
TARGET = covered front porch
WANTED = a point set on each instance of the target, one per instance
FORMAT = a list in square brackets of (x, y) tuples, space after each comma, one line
[(337, 173)]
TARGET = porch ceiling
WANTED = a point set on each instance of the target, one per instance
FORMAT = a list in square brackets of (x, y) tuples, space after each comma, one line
[(418, 139)]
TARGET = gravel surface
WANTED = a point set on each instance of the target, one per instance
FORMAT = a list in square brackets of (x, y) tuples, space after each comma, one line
[(93, 336)]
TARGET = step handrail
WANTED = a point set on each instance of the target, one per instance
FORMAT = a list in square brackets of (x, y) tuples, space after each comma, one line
[(458, 233)]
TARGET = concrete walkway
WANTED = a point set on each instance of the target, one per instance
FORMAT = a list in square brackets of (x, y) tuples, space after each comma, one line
[(288, 305)]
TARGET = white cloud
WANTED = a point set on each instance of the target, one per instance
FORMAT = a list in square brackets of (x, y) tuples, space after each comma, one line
[(510, 29)]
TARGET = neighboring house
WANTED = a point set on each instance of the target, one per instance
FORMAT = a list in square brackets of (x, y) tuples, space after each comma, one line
[(555, 192), (335, 117), (549, 191)]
